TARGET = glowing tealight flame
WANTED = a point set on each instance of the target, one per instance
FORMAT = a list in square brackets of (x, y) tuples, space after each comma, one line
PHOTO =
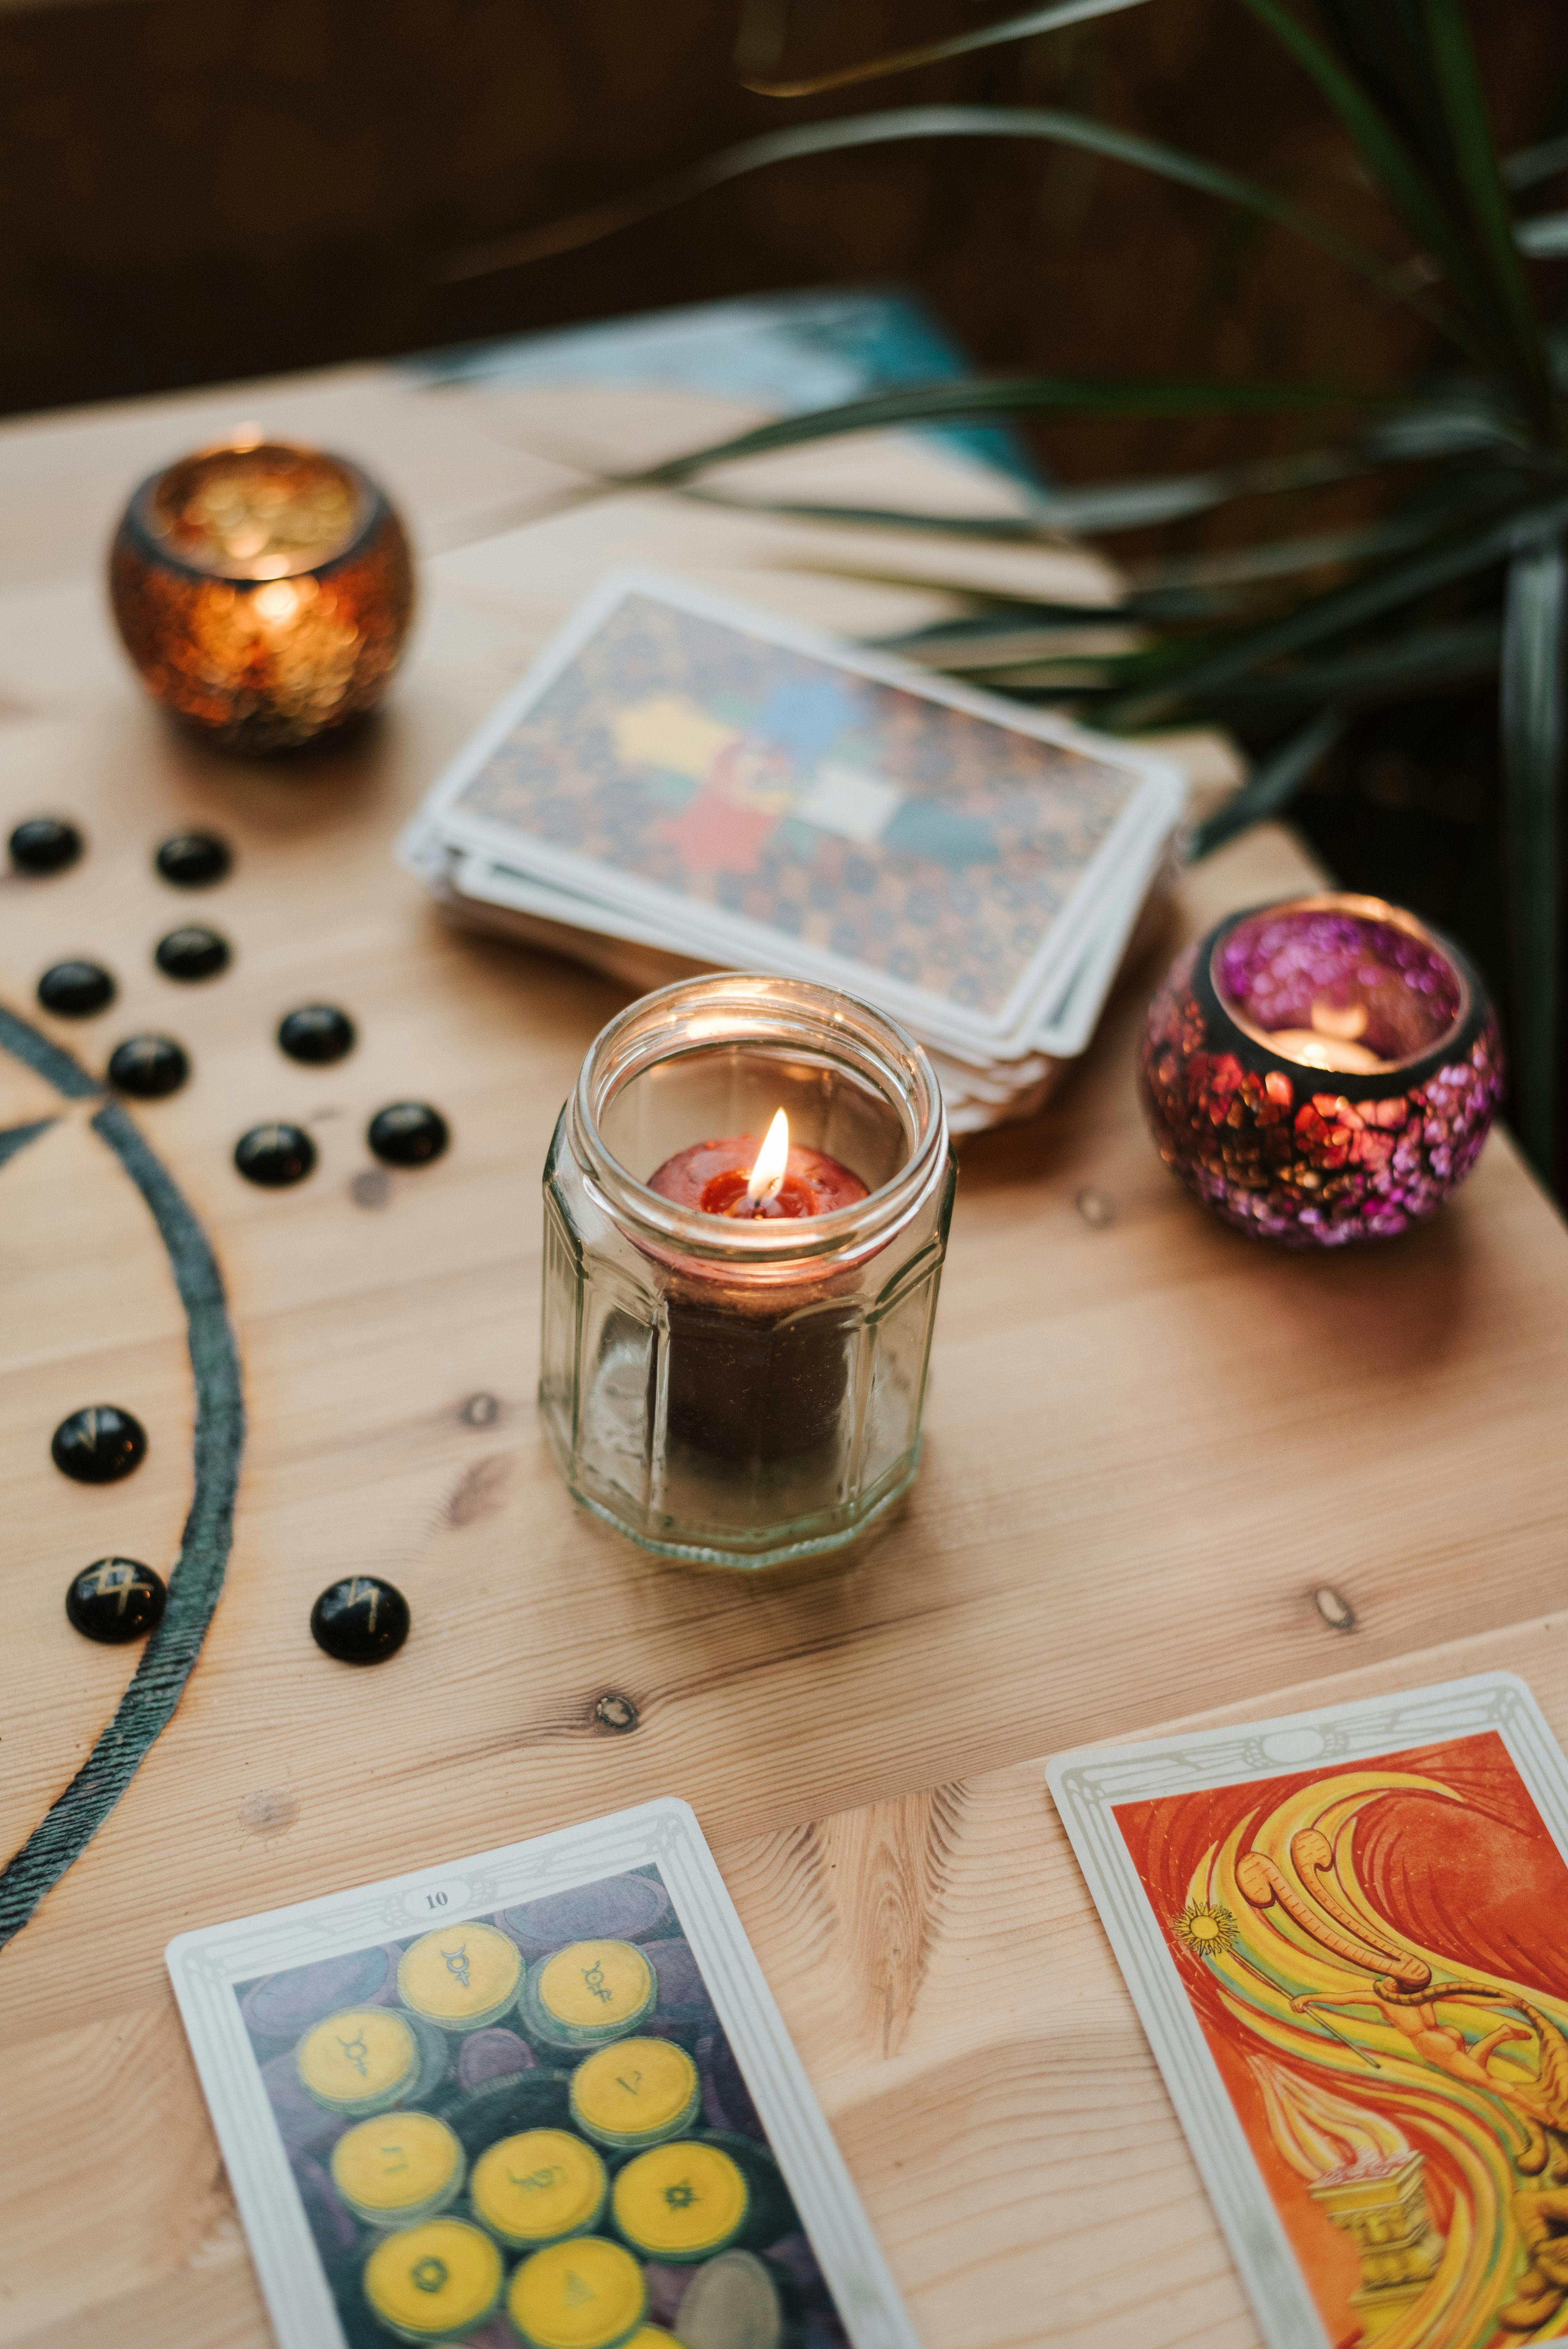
[(1331, 1041), (277, 603), (767, 1175), (1350, 1023)]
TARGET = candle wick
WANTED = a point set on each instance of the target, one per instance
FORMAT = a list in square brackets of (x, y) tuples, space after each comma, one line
[(766, 1179)]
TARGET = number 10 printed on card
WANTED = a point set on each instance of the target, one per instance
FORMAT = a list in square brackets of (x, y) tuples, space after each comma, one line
[(539, 2098)]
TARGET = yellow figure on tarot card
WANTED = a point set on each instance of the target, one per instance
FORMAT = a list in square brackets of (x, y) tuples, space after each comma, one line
[(1376, 1956)]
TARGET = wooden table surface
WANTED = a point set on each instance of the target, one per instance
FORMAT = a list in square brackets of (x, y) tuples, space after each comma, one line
[(1150, 1443)]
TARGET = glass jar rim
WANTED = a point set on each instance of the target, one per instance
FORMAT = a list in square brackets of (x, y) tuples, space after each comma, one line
[(370, 511), (693, 1015), (1361, 909)]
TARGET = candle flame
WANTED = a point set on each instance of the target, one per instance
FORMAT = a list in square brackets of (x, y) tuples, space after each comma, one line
[(279, 602), (1312, 1050), (767, 1175), (1348, 1024)]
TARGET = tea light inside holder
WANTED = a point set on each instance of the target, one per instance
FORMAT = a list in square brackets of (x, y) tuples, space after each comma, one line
[(737, 1321), (262, 590), (1322, 1071)]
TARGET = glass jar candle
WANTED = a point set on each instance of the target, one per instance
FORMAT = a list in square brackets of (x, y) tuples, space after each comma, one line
[(739, 1382), (262, 590), (1322, 1071)]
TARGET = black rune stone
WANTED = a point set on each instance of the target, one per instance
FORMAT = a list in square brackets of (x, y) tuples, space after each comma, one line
[(115, 1600), (147, 1067), (44, 844), (408, 1133), (274, 1155), (317, 1033), (75, 990), (191, 953), (361, 1621), (195, 860), (98, 1445)]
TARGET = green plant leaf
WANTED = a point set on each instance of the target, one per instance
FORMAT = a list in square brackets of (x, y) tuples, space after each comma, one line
[(1447, 421), (1456, 494), (928, 403), (1418, 660), (1346, 607), (1534, 164), (1544, 238), (993, 633), (1272, 784), (1535, 646), (1081, 652), (899, 123), (986, 642), (759, 45), (1285, 558), (1403, 178), (1101, 507), (1475, 152)]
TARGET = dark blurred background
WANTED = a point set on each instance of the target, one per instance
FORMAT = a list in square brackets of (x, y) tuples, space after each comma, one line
[(195, 190)]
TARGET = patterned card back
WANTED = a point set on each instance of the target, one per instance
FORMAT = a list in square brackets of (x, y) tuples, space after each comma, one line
[(742, 778)]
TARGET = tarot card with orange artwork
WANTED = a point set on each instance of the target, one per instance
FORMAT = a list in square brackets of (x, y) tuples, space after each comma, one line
[(1346, 1933)]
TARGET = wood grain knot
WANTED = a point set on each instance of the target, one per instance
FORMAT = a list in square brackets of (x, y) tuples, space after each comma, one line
[(267, 1812), (1335, 1607), (616, 1713), (480, 1411), (478, 1491)]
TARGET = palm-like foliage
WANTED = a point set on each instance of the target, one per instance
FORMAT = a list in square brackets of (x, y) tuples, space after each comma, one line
[(1464, 574)]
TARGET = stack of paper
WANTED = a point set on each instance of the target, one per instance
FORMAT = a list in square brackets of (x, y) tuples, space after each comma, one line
[(681, 781)]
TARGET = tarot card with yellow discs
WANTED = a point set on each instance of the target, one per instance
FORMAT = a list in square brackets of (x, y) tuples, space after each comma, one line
[(1347, 1935), (541, 2096)]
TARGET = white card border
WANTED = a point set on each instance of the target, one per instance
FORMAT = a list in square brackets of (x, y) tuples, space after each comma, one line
[(1063, 1032), (205, 1964), (1157, 795), (1087, 1784)]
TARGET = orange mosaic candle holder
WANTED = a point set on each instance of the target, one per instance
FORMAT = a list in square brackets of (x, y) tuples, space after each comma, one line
[(263, 591)]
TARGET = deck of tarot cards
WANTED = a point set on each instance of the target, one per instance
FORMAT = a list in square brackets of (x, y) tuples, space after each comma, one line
[(681, 781)]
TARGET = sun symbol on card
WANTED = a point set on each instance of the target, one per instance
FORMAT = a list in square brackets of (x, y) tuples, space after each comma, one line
[(1207, 1928)]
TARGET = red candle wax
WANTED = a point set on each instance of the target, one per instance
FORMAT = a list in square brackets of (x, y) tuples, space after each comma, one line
[(713, 1175), (755, 1375)]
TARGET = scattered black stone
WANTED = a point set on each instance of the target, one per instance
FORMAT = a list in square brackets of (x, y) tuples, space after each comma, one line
[(148, 1068), (317, 1033), (408, 1133), (274, 1155), (98, 1445), (191, 953), (360, 1621), (115, 1600), (75, 990), (44, 844), (195, 860)]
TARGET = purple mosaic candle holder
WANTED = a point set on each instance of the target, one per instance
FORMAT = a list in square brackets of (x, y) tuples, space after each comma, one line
[(1321, 1072)]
